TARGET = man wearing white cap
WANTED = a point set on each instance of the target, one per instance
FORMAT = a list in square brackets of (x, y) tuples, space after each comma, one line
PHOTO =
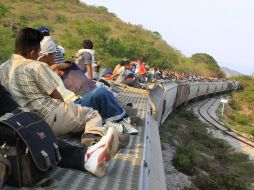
[(46, 55), (31, 85)]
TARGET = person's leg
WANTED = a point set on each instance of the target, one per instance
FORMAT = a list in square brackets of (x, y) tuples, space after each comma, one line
[(94, 159), (72, 156), (69, 118), (102, 100)]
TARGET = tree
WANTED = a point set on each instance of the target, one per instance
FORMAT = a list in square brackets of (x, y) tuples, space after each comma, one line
[(204, 58)]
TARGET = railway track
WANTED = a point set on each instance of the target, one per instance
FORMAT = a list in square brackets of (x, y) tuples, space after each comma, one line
[(204, 112)]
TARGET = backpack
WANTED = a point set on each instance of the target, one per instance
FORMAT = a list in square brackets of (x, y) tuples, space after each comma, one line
[(5, 167), (30, 146)]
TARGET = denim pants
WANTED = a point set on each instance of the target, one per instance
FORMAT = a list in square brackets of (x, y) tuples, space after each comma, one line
[(104, 102)]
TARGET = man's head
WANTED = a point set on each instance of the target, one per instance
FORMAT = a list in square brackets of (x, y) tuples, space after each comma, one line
[(48, 50), (27, 43), (44, 30), (87, 44), (125, 63)]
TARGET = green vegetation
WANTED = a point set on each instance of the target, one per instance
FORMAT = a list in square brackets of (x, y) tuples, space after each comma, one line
[(212, 163), (240, 113), (71, 21)]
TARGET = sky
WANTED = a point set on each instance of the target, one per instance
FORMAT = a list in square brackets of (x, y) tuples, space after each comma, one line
[(222, 28)]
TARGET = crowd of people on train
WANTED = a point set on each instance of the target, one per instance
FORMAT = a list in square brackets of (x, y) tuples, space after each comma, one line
[(38, 79), (74, 96), (131, 70)]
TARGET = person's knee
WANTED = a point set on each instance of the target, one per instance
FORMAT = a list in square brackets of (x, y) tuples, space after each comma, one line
[(101, 92)]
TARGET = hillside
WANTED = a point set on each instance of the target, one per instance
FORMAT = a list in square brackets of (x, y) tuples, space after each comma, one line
[(240, 115), (70, 21)]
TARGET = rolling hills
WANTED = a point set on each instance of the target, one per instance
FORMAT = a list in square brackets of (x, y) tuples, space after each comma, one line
[(71, 21)]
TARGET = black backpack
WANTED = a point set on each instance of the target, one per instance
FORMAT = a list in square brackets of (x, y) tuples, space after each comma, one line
[(30, 145)]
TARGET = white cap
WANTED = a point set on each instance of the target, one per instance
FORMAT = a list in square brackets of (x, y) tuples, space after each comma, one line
[(47, 46)]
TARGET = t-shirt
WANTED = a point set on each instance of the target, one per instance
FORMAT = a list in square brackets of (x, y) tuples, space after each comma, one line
[(67, 95), (121, 74), (83, 60), (75, 81), (7, 104), (142, 69), (116, 68)]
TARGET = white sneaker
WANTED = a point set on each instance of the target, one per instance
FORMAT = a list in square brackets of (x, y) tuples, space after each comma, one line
[(118, 126), (127, 120), (128, 128), (123, 127), (98, 155)]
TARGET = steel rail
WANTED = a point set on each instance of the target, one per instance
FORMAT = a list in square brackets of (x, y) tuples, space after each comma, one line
[(236, 136)]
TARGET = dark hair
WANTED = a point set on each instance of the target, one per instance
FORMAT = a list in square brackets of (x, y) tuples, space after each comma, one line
[(88, 44), (124, 62), (27, 39)]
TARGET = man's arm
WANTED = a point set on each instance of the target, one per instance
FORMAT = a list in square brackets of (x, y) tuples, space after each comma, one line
[(56, 95), (89, 71), (61, 66)]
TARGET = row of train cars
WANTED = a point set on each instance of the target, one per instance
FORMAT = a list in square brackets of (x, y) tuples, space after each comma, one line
[(166, 96)]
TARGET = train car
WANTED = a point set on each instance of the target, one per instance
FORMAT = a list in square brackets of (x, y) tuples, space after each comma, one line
[(183, 91), (194, 86), (219, 86), (202, 88), (211, 88), (230, 85), (170, 91), (156, 96), (224, 86)]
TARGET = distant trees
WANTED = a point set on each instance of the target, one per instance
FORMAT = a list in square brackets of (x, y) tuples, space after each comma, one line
[(70, 22), (210, 61), (203, 58)]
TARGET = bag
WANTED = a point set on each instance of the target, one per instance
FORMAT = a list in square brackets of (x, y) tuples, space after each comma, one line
[(5, 167), (30, 146)]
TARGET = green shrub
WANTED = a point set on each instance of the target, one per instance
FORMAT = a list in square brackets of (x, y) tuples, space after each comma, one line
[(61, 19), (185, 159), (240, 118)]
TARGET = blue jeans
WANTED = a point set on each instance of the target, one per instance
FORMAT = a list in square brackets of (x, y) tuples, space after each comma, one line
[(104, 102)]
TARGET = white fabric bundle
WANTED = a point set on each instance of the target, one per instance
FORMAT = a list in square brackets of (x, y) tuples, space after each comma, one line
[(47, 46)]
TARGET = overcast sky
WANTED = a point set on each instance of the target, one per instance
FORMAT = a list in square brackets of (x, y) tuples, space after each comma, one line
[(221, 28)]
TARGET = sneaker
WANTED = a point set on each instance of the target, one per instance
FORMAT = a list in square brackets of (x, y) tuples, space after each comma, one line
[(97, 156), (126, 119), (124, 138), (118, 126), (89, 139), (128, 128), (123, 127)]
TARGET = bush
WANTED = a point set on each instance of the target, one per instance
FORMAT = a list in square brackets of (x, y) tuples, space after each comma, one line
[(240, 118), (185, 159), (61, 19)]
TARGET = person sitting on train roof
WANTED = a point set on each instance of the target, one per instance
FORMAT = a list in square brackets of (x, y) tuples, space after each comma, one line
[(100, 99), (85, 58), (121, 75), (74, 157), (32, 87)]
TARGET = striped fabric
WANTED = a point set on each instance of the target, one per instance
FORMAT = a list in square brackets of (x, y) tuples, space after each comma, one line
[(59, 58)]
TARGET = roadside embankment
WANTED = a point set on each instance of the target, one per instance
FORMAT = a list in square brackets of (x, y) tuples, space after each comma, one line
[(195, 159)]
